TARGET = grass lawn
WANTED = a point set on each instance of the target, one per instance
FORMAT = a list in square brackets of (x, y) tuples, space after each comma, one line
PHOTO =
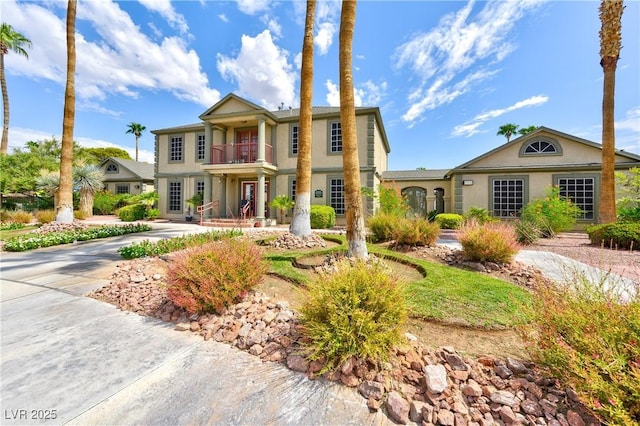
[(446, 294), (10, 233)]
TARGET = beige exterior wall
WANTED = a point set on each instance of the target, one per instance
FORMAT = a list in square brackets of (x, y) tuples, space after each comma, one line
[(429, 186)]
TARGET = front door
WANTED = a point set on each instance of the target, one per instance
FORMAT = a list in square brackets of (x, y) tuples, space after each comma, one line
[(249, 191), (247, 146)]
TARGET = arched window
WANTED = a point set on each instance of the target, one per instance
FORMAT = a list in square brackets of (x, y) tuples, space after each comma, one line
[(541, 146), (416, 199), (112, 168)]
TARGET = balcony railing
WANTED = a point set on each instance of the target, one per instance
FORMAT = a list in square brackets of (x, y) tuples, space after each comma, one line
[(239, 153)]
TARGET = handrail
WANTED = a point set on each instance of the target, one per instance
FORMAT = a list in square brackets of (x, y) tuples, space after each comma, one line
[(245, 209), (209, 206)]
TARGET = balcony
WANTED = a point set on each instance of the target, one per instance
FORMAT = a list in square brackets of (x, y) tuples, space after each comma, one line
[(239, 153)]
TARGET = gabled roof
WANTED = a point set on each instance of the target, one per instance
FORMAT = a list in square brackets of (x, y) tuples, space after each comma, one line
[(469, 164), (144, 171), (251, 105), (434, 174)]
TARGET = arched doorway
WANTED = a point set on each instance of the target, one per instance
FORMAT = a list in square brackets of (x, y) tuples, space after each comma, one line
[(416, 198), (438, 202)]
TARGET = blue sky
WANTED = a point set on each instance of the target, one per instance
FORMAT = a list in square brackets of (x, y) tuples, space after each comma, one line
[(445, 74)]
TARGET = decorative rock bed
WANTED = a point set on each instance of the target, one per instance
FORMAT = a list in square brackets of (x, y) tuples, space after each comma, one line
[(418, 384)]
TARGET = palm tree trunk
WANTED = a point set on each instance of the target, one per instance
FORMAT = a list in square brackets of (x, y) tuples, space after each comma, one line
[(607, 208), (356, 241), (136, 148), (64, 209), (4, 145), (301, 221)]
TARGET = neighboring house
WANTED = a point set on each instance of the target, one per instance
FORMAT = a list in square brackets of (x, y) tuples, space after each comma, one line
[(127, 176), (243, 155), (506, 178)]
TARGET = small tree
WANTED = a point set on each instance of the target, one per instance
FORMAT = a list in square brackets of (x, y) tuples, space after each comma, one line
[(282, 203), (508, 130)]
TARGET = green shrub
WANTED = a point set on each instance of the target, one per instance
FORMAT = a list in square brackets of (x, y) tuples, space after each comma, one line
[(322, 217), (629, 214), (449, 220), (45, 216), (152, 214), (491, 242), (590, 340), (392, 202), (416, 232), (479, 215), (34, 241), (527, 232), (359, 310), (20, 216), (147, 248), (132, 212), (105, 202), (616, 235), (553, 213), (213, 276), (381, 226)]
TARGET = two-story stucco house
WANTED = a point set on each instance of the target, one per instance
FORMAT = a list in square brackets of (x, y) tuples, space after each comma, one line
[(506, 178), (241, 155)]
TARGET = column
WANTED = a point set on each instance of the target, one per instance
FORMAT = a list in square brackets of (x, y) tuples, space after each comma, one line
[(260, 200), (207, 193), (261, 143), (223, 196), (208, 140)]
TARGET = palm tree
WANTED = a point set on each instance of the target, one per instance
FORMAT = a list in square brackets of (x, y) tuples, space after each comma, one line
[(16, 42), (136, 129), (48, 182), (507, 130), (357, 245), (64, 208), (301, 221), (527, 130), (87, 180), (610, 45)]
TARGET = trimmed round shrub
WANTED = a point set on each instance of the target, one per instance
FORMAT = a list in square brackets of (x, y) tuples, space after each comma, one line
[(213, 276), (449, 220), (322, 217), (359, 310), (382, 225), (132, 213), (416, 232), (491, 242), (616, 235)]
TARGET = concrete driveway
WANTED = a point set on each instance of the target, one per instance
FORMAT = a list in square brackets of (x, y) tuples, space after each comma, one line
[(70, 359)]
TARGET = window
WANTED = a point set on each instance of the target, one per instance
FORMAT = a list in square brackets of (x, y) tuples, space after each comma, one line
[(175, 148), (112, 168), (294, 139), (200, 154), (174, 203), (541, 146), (581, 191), (335, 136), (416, 199), (122, 189), (508, 196), (336, 195), (199, 187), (292, 188)]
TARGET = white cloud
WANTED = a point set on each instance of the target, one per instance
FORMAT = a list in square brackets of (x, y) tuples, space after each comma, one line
[(366, 94), (252, 7), (471, 128), (631, 122), (272, 25), (223, 17), (121, 61), (326, 25), (459, 44), (262, 71), (166, 10)]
